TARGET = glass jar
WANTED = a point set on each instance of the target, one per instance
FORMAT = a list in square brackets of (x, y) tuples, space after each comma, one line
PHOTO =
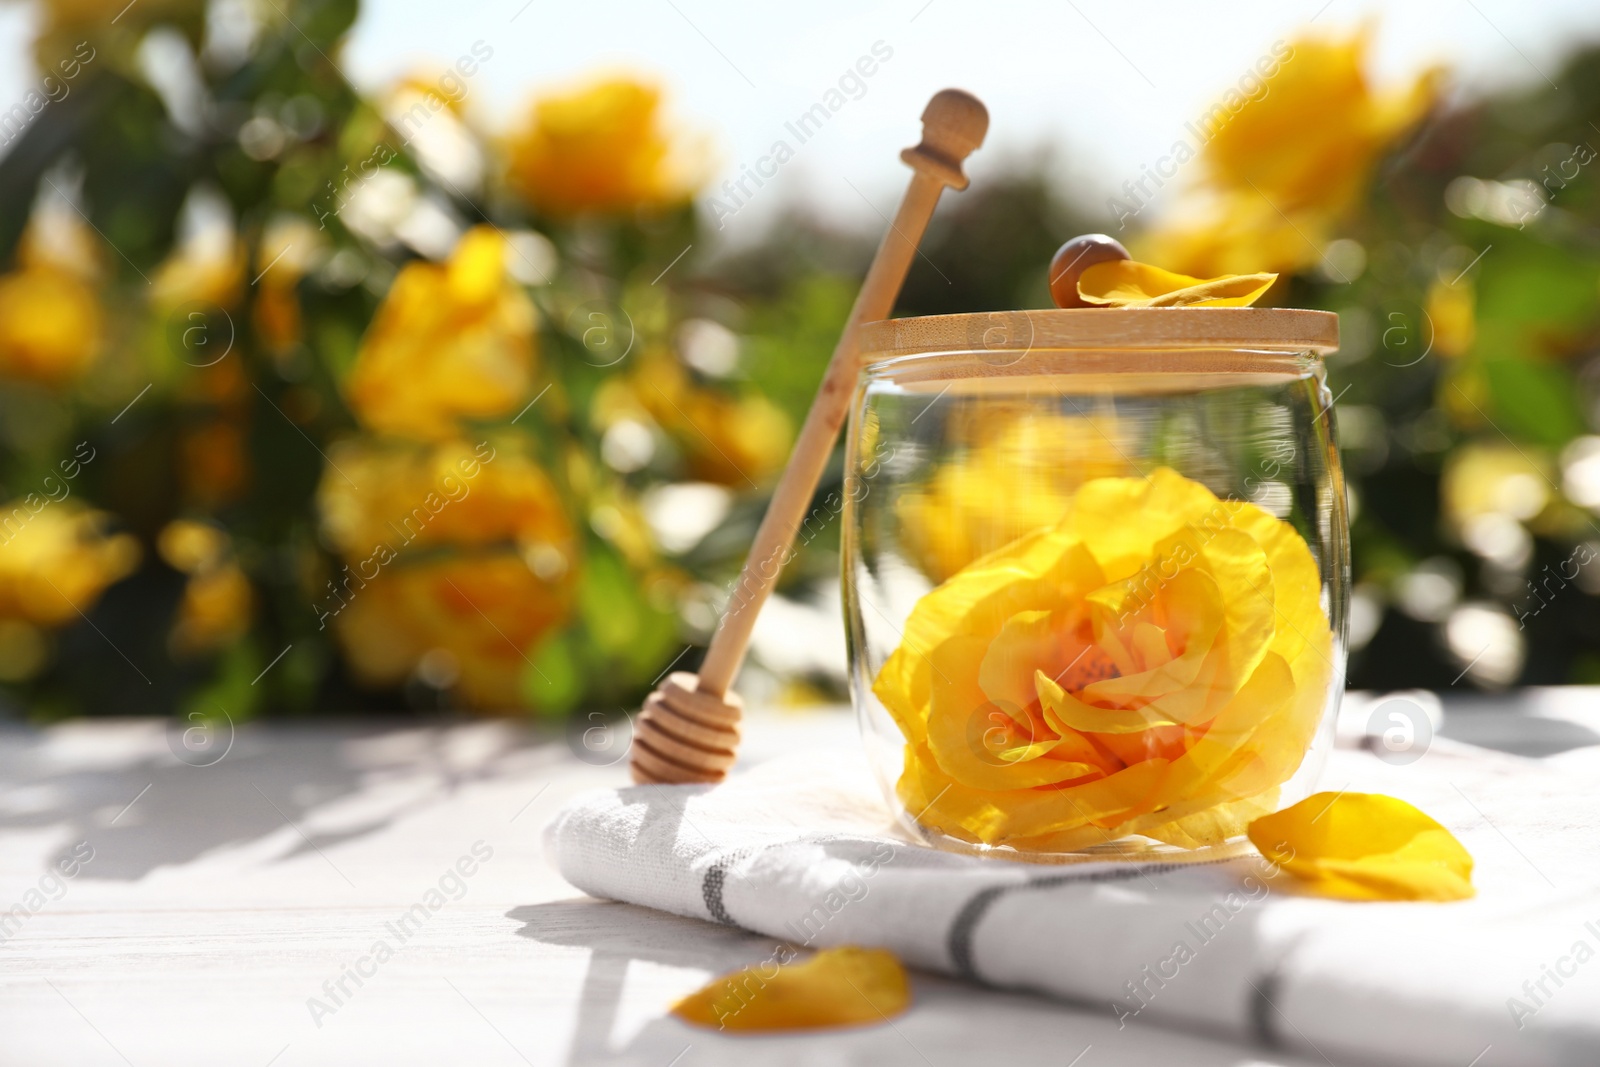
[(1096, 564)]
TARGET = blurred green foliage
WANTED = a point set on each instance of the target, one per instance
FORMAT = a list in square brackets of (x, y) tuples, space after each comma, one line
[(1467, 280)]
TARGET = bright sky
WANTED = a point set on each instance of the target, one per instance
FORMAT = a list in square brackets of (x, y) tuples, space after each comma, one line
[(1106, 86)]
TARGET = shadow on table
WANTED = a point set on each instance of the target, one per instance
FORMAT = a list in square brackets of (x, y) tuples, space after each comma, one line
[(616, 935), (951, 1021), (144, 808)]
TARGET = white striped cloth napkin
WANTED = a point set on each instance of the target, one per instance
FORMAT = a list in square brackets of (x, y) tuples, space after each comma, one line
[(801, 849)]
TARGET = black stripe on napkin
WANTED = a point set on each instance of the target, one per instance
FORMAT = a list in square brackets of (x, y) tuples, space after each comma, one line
[(958, 943), (716, 877), (1263, 1012), (711, 886), (1265, 991)]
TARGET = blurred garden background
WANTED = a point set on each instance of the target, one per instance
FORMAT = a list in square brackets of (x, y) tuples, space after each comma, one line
[(319, 400)]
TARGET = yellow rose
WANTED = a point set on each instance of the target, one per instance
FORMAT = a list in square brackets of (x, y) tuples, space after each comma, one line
[(454, 553), (483, 612), (1495, 478), (1451, 313), (1018, 472), (209, 267), (449, 342), (731, 438), (217, 599), (213, 440), (451, 493), (1281, 168), (602, 147), (56, 560), (50, 325), (1155, 663), (214, 612)]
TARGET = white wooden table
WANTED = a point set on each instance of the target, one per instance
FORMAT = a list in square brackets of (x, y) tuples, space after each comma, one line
[(233, 913)]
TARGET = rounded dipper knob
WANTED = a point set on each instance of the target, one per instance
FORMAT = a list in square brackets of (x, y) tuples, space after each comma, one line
[(953, 126), (1075, 257)]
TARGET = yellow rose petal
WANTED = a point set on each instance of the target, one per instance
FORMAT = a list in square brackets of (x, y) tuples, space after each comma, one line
[(1125, 283), (1364, 846), (450, 342), (845, 986)]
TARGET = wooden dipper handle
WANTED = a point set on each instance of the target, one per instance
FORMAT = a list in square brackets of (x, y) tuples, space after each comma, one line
[(689, 729)]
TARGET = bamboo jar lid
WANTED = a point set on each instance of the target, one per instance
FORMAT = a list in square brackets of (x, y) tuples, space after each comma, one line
[(1011, 333)]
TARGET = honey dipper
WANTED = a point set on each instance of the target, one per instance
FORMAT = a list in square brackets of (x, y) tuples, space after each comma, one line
[(689, 728)]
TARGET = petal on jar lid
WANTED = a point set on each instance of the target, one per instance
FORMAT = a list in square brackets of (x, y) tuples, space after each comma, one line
[(1128, 284), (1365, 846)]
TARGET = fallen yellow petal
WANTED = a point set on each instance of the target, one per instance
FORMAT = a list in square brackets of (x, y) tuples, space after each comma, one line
[(1364, 846), (1125, 283), (845, 986)]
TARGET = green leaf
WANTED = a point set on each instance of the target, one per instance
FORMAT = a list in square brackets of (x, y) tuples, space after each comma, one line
[(554, 683), (1535, 401)]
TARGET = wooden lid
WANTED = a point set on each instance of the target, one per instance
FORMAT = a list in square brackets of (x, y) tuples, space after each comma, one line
[(1260, 329)]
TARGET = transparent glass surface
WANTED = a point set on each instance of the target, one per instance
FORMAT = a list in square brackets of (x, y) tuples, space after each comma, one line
[(1095, 598)]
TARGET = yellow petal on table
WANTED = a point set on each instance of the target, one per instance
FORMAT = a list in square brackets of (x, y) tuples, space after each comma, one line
[(1365, 846), (845, 986), (1125, 283)]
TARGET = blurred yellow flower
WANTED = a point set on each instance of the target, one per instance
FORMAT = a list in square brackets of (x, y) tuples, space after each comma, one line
[(1124, 283), (214, 464), (1290, 163), (1365, 846), (289, 247), (450, 341), (1018, 472), (51, 324), (454, 492), (735, 439), (603, 147), (1155, 663), (56, 559), (1494, 479), (1450, 312), (208, 268), (481, 613), (217, 598), (456, 555)]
